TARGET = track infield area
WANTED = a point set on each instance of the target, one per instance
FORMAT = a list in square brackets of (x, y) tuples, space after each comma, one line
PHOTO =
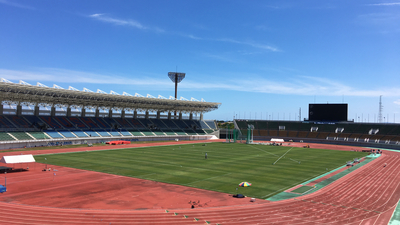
[(171, 176)]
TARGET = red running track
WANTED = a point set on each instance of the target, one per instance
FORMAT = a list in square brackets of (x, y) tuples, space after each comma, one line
[(366, 196)]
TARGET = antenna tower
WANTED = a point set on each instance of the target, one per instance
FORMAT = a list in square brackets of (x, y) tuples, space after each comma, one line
[(380, 109)]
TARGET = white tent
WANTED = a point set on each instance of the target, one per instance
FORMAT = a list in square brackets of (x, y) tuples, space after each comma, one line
[(18, 159)]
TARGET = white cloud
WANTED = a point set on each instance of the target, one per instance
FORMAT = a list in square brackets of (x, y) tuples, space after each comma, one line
[(230, 40), (121, 22), (136, 24), (386, 22), (307, 86), (193, 37), (397, 102), (250, 43), (387, 4), (220, 57), (14, 4)]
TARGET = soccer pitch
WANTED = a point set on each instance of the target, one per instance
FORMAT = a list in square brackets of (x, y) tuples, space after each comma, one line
[(227, 165)]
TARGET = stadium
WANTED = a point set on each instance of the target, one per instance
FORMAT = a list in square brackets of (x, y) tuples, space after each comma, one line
[(105, 158)]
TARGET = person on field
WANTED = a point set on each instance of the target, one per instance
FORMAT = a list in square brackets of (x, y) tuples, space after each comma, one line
[(206, 155)]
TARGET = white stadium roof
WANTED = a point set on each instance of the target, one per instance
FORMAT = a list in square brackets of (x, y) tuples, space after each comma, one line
[(34, 95)]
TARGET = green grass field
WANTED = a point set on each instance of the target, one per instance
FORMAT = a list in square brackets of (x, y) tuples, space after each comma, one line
[(227, 165)]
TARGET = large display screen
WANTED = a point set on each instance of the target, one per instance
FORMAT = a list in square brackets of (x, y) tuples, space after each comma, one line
[(327, 112)]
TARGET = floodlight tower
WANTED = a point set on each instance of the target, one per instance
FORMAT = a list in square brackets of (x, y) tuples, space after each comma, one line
[(176, 78)]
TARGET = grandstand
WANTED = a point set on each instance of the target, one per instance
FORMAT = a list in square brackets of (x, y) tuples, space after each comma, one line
[(349, 133), (40, 115)]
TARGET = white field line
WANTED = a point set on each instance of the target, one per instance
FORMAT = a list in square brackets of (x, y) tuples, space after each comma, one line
[(207, 179), (273, 153), (294, 160), (264, 151), (283, 155)]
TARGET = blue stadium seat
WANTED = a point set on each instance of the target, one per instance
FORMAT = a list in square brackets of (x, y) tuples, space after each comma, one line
[(114, 133), (123, 123), (79, 133), (211, 124), (101, 123), (103, 133), (170, 124), (64, 122), (54, 134), (89, 122), (135, 123), (91, 133), (125, 133), (34, 120), (76, 122), (20, 122), (4, 123), (181, 124), (51, 122), (159, 123), (108, 121), (203, 125), (67, 134)]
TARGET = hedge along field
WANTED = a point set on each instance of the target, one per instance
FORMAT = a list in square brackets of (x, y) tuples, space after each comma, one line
[(227, 165)]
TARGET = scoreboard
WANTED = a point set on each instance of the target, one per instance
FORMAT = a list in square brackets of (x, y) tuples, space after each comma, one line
[(327, 112)]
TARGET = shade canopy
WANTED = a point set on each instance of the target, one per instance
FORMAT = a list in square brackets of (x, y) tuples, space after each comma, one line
[(18, 159), (245, 184)]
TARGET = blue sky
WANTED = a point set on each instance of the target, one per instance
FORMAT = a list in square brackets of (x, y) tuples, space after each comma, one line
[(257, 58)]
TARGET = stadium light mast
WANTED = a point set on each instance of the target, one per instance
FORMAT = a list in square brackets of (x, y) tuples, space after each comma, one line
[(176, 78)]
